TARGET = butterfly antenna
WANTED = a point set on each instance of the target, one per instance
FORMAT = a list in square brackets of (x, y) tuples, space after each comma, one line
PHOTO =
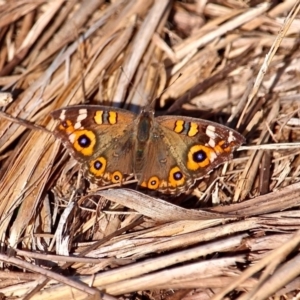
[(156, 98), (81, 57), (130, 82)]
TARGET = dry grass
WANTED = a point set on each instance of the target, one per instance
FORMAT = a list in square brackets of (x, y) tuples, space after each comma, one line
[(65, 239)]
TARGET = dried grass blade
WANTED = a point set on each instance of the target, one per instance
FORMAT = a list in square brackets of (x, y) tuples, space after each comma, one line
[(288, 21), (230, 25), (279, 200), (156, 208), (282, 251), (140, 43)]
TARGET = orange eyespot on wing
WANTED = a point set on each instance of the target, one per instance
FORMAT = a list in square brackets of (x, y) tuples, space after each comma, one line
[(200, 156), (66, 126), (98, 171), (83, 141), (152, 183), (176, 177), (222, 147), (176, 180), (98, 166), (116, 177)]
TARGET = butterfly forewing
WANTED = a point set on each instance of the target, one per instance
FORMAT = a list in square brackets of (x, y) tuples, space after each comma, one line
[(203, 131)]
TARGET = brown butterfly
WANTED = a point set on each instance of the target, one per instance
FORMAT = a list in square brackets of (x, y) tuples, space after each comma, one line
[(167, 154)]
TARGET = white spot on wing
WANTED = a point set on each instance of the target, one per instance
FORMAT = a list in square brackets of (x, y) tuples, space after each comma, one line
[(77, 125), (82, 114), (212, 157), (211, 143), (210, 131), (62, 115), (231, 137), (211, 128), (72, 138)]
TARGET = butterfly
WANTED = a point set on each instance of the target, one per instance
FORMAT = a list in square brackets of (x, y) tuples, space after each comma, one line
[(166, 153)]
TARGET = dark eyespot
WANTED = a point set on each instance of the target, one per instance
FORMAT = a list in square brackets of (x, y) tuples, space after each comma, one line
[(98, 165), (177, 175), (117, 177), (64, 124), (153, 182), (199, 156), (84, 141)]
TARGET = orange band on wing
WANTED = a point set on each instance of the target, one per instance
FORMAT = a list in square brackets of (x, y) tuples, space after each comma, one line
[(98, 118), (193, 130), (112, 117), (179, 126)]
